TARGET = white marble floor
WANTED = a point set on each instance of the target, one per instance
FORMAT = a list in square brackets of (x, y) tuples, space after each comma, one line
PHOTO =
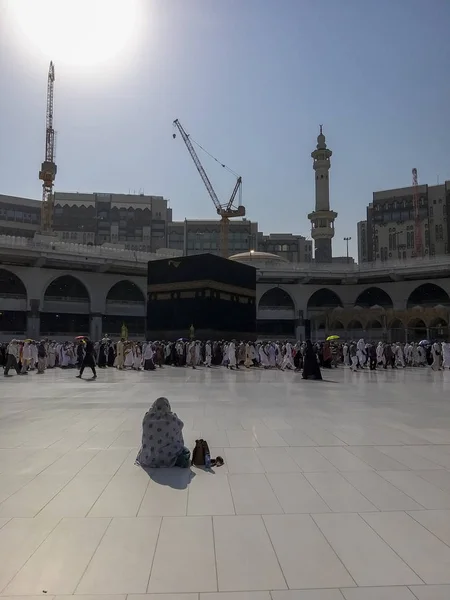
[(331, 490)]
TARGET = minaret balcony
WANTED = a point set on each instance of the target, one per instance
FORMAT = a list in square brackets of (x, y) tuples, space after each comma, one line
[(320, 233)]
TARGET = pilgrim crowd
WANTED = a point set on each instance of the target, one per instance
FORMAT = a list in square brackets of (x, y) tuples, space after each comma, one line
[(25, 356)]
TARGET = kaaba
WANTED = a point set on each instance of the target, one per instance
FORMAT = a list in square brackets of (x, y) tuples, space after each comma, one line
[(202, 296)]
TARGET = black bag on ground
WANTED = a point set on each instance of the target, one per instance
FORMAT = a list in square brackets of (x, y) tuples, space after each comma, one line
[(199, 452)]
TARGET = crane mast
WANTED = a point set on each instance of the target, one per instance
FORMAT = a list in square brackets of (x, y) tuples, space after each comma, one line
[(225, 211), (418, 248), (48, 170)]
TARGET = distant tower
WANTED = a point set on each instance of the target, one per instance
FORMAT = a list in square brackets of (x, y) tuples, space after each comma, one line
[(322, 219)]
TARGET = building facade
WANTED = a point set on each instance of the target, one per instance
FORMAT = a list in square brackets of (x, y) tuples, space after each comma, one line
[(199, 236), (291, 247), (362, 241), (139, 222), (61, 290), (388, 234), (19, 216)]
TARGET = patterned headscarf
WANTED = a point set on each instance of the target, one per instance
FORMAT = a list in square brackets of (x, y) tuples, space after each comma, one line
[(160, 408)]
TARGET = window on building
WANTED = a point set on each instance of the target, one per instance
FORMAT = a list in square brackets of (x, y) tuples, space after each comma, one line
[(431, 211)]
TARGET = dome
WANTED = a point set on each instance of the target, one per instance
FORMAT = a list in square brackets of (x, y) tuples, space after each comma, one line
[(254, 256)]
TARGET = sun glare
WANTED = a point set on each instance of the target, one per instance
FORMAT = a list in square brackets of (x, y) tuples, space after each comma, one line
[(76, 32)]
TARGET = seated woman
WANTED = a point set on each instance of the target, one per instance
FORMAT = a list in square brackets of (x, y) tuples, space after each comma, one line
[(162, 438)]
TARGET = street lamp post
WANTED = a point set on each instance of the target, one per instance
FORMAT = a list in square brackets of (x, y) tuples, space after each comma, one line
[(347, 239)]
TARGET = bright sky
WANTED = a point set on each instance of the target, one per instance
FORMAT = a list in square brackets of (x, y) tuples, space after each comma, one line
[(249, 79)]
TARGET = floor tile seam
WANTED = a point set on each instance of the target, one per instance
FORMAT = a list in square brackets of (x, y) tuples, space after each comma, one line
[(273, 491), (274, 551), (142, 499), (331, 547), (231, 494), (435, 484), (333, 468), (368, 464), (47, 466), (412, 591), (388, 482), (438, 467), (154, 554), (8, 519), (361, 515), (110, 479), (354, 455), (308, 482), (64, 487), (19, 461), (216, 567), (18, 490), (92, 555), (365, 497), (242, 447), (270, 592), (380, 473), (58, 521), (408, 512)]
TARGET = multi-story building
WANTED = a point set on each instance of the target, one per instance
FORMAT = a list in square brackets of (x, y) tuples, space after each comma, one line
[(389, 232), (362, 241), (291, 247), (143, 223), (19, 216), (198, 236), (138, 222)]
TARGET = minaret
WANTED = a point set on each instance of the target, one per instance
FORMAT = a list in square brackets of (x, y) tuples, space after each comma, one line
[(322, 219)]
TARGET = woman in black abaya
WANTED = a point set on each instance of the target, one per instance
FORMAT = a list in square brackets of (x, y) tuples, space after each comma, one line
[(311, 368)]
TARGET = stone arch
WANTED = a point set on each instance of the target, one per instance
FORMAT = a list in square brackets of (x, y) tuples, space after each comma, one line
[(374, 324), (374, 296), (438, 328), (355, 324), (11, 286), (336, 325), (67, 288), (428, 294), (417, 329), (396, 329), (125, 291), (324, 298), (396, 323), (276, 297)]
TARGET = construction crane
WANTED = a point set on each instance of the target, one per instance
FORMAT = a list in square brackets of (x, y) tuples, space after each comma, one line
[(226, 211), (48, 168), (418, 247)]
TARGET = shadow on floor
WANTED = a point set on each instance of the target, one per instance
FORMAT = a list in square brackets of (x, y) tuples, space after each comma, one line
[(175, 478)]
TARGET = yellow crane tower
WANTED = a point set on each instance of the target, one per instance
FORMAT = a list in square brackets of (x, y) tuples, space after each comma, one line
[(226, 211), (48, 170)]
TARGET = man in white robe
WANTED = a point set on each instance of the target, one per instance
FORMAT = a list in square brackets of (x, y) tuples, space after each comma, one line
[(208, 354), (446, 355), (436, 353), (288, 359), (231, 355)]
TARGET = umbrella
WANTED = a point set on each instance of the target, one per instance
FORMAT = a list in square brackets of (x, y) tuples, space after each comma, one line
[(80, 337), (332, 337), (28, 340), (424, 343)]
